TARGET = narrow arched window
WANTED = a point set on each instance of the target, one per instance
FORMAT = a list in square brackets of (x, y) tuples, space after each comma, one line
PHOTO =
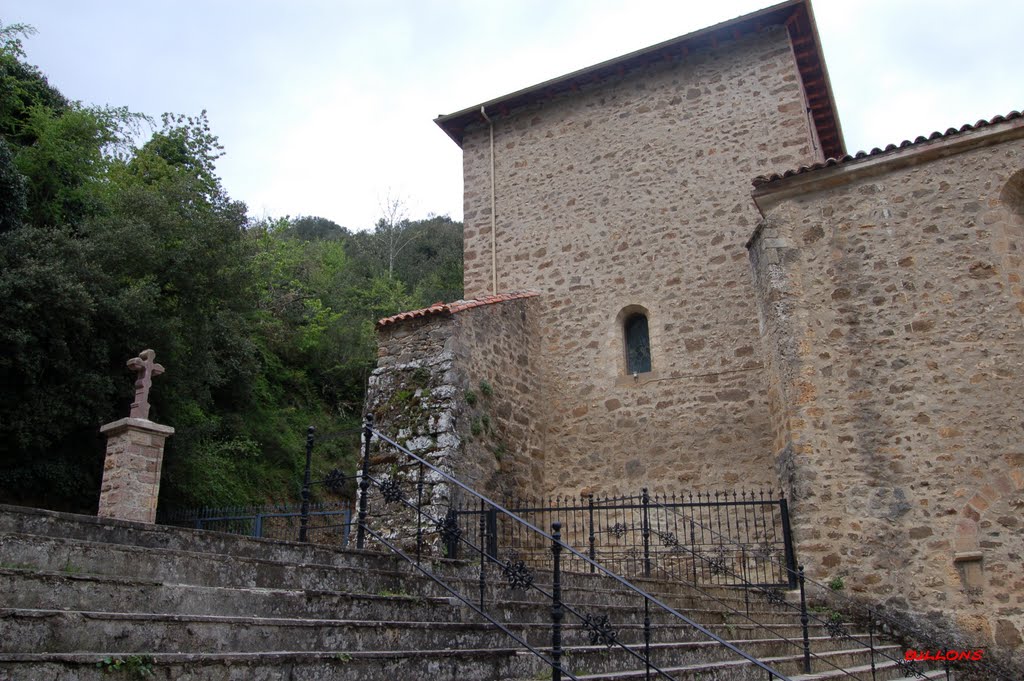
[(638, 344)]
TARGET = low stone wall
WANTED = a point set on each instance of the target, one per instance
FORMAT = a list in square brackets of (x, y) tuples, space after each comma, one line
[(460, 390), (891, 322)]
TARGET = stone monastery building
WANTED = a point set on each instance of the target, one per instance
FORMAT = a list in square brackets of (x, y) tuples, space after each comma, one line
[(652, 303)]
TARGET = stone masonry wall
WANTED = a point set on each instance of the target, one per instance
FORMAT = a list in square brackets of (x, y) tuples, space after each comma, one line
[(636, 193), (460, 390), (892, 308)]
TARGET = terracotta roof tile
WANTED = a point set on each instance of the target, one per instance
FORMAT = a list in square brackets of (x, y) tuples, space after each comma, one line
[(761, 180), (456, 306)]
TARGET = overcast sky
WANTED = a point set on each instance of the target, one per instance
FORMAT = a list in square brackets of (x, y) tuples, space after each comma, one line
[(326, 106)]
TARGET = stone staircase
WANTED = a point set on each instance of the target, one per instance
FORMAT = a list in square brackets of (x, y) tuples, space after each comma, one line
[(85, 598)]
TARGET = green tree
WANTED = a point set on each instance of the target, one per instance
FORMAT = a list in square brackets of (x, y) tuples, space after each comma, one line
[(107, 248)]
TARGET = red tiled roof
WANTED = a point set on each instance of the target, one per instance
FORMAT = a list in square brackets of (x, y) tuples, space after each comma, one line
[(457, 306), (762, 180)]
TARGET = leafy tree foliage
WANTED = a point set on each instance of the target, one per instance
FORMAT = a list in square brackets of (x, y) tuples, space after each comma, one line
[(107, 248)]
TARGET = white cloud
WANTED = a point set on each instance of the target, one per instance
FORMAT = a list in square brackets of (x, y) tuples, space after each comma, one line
[(325, 106)]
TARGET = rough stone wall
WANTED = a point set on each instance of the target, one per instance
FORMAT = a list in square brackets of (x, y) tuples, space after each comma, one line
[(497, 348), (636, 193), (460, 390), (892, 311)]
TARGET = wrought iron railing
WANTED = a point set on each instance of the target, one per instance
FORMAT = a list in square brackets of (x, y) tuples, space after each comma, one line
[(644, 534), (833, 617), (412, 485), (327, 522)]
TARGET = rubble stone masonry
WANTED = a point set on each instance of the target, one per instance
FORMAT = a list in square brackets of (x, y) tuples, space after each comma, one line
[(461, 391), (634, 195), (892, 306)]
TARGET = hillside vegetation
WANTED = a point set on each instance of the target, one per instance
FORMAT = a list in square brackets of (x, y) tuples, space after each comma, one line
[(113, 240)]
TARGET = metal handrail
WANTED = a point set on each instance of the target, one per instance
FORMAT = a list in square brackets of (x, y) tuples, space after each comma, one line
[(833, 593), (801, 577), (370, 432), (480, 611), (507, 566)]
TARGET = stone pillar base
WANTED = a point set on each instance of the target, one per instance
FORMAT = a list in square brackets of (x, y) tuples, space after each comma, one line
[(131, 471)]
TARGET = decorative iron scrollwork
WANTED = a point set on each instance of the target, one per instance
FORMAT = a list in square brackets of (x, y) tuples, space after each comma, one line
[(336, 481), (718, 563), (909, 668), (448, 527), (518, 573), (618, 530), (668, 539), (391, 491), (600, 630), (836, 630), (775, 596)]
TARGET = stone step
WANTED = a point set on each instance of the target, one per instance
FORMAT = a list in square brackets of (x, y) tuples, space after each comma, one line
[(383, 665), (786, 657), (739, 669), (79, 558), (177, 566), (521, 611), (75, 583), (884, 669), (29, 589), (72, 631), (39, 522), (49, 590), (340, 665)]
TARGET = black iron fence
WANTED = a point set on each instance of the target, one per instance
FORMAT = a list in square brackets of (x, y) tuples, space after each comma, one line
[(325, 523), (707, 538), (408, 522)]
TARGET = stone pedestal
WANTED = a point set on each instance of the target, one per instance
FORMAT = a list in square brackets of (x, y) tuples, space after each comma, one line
[(131, 472)]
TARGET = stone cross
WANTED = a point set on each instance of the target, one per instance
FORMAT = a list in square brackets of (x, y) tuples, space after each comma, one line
[(146, 369)]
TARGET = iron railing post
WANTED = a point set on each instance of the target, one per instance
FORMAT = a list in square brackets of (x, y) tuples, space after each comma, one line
[(804, 620), (693, 549), (871, 642), (419, 515), (257, 525), (645, 530), (364, 482), (787, 540), (590, 510), (304, 517), (746, 581), (647, 638), (483, 552), (492, 533), (556, 602)]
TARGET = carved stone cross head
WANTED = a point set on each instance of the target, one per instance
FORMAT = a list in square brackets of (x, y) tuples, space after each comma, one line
[(146, 369)]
